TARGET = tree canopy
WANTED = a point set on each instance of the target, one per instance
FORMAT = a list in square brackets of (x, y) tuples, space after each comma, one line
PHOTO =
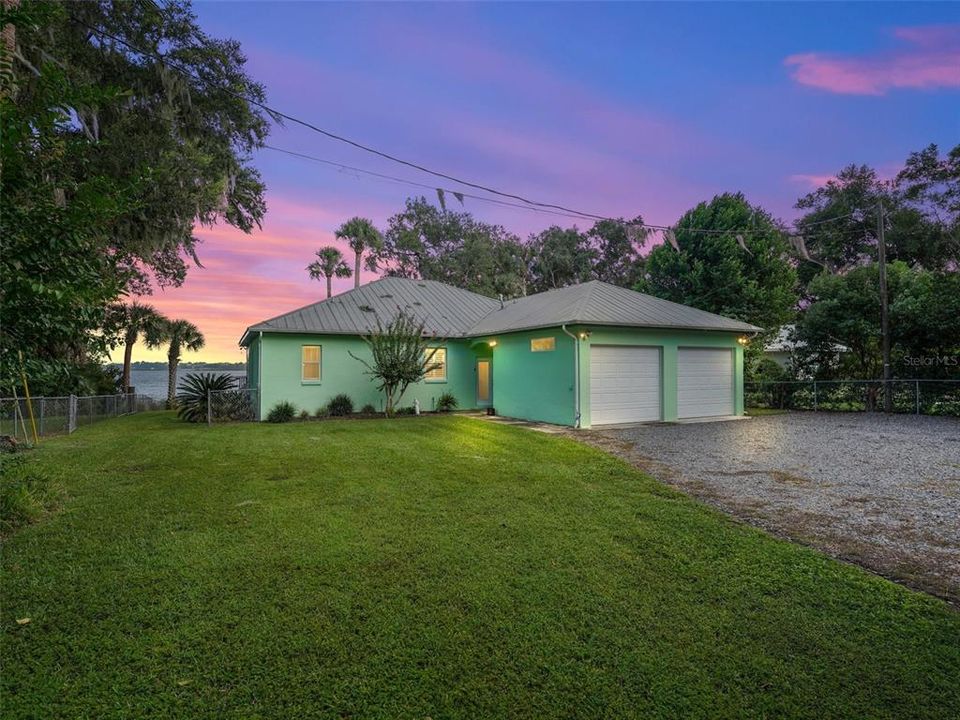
[(921, 208), (732, 260), (453, 247), (111, 157), (844, 311)]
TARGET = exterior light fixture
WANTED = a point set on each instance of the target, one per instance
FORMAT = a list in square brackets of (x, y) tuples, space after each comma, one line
[(584, 334), (492, 343), (743, 339)]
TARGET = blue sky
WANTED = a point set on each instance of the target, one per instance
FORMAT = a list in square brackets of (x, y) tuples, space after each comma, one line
[(618, 109)]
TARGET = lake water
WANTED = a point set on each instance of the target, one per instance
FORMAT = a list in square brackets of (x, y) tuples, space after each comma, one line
[(153, 383)]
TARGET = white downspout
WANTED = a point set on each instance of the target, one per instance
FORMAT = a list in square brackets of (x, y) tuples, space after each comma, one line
[(260, 377), (576, 376)]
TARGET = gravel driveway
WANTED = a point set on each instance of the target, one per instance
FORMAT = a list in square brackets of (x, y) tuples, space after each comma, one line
[(881, 491)]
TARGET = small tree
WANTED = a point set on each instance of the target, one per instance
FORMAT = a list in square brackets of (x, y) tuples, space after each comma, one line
[(329, 264), (138, 321), (362, 236), (181, 335), (400, 356)]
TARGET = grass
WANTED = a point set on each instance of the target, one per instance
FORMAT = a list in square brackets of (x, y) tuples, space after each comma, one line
[(27, 492), (432, 567)]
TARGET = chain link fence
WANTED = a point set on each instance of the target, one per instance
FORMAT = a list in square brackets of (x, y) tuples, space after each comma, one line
[(920, 397), (237, 405), (64, 414)]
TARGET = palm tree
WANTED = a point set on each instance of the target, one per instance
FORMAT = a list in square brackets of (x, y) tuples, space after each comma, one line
[(329, 263), (361, 235), (181, 335), (138, 320)]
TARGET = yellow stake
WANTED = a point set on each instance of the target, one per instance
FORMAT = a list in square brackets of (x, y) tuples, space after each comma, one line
[(26, 390)]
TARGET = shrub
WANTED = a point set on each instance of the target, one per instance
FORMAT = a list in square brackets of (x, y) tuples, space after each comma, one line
[(340, 405), (408, 410), (192, 394), (447, 402), (322, 412), (368, 409), (281, 412), (304, 414), (25, 493)]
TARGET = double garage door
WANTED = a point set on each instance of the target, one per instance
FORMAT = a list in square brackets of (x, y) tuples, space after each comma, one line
[(626, 382)]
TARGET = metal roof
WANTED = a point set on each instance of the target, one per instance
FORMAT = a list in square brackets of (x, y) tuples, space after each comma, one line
[(599, 303), (447, 311)]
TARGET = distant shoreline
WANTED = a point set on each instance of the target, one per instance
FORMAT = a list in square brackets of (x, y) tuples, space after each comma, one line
[(143, 365)]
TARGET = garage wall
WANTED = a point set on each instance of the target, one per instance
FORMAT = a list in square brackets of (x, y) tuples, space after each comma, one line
[(669, 341)]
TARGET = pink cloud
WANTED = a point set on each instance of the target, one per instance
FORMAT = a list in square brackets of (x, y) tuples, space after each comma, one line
[(811, 181), (930, 60)]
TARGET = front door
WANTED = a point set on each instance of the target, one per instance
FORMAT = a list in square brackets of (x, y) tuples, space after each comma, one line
[(484, 382)]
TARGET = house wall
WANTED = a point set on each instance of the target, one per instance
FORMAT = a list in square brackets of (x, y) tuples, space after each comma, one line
[(340, 373), (253, 362), (527, 385), (533, 385)]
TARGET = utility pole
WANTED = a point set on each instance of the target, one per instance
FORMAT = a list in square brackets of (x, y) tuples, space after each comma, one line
[(884, 310)]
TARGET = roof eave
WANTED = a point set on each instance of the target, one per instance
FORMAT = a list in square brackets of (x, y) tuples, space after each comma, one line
[(747, 327)]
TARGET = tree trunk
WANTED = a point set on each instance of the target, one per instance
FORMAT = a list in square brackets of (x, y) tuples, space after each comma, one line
[(329, 286), (127, 357), (356, 271), (172, 362)]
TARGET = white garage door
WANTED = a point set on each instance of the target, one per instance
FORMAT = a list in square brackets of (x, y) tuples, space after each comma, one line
[(624, 384), (704, 382)]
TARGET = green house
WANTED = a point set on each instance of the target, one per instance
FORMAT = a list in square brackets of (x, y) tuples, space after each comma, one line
[(585, 355)]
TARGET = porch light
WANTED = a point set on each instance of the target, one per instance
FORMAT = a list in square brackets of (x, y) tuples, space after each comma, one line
[(584, 335), (492, 343), (743, 339)]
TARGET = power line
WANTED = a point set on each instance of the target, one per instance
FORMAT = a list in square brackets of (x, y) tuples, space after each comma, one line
[(334, 136), (424, 186), (563, 211), (413, 183)]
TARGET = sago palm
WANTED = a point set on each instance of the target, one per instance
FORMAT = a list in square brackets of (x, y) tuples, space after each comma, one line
[(182, 335), (196, 388), (329, 264), (361, 235), (140, 321)]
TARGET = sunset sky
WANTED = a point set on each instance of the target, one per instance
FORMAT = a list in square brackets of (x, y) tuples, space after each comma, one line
[(616, 109)]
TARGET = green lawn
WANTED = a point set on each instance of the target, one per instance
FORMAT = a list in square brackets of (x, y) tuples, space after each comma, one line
[(441, 567)]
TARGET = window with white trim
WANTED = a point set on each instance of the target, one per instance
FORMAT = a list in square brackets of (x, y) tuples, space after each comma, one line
[(438, 361), (544, 344), (310, 363)]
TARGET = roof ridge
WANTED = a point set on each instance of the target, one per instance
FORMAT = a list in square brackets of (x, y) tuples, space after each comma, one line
[(587, 297)]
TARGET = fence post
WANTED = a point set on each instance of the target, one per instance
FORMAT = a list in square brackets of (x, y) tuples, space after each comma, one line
[(209, 409), (71, 414), (43, 403), (814, 395), (916, 394)]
